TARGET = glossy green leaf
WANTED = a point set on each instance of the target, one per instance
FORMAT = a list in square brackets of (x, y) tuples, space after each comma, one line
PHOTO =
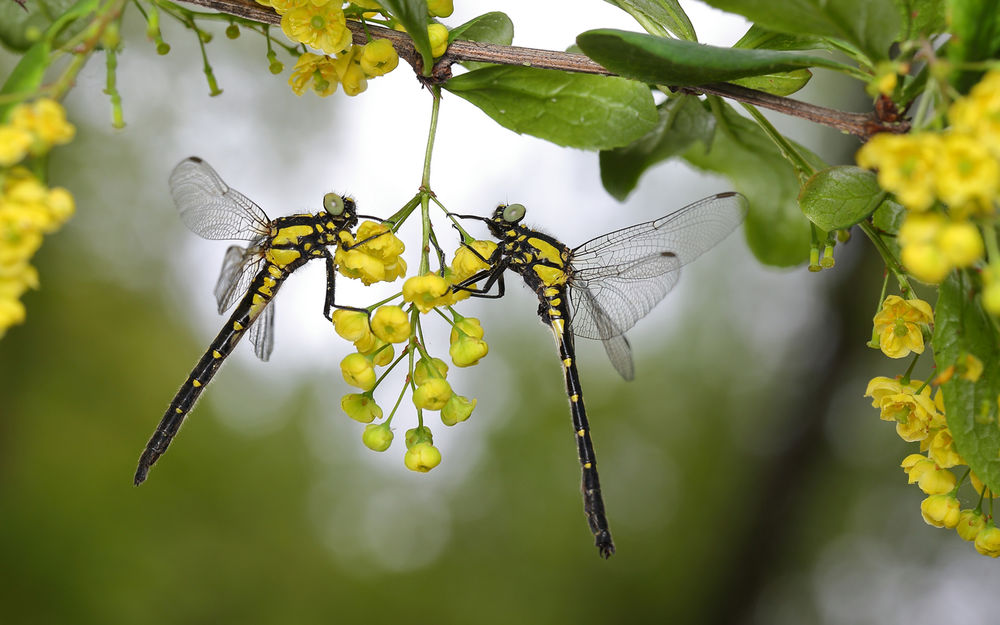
[(869, 25), (782, 83), (574, 110), (682, 121), (659, 17), (839, 197), (412, 14), (962, 327), (657, 60), (777, 231), (493, 27), (759, 37), (888, 217), (27, 75), (975, 28), (921, 18)]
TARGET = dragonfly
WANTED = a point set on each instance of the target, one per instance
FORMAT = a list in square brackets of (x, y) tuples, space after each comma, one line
[(599, 290), (251, 275)]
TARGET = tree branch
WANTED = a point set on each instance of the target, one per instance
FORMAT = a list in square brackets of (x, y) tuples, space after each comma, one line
[(862, 125)]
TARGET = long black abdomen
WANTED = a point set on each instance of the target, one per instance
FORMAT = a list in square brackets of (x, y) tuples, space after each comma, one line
[(243, 316)]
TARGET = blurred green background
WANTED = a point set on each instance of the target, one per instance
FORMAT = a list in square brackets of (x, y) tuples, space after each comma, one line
[(747, 479)]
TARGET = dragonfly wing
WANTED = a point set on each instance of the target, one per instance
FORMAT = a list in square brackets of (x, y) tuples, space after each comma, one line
[(595, 322), (239, 267), (262, 333), (629, 271), (210, 208)]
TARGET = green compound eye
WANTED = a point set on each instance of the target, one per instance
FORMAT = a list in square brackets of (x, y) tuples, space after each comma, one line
[(333, 203), (513, 212)]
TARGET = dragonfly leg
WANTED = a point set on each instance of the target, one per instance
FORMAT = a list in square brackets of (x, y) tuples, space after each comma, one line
[(331, 277), (494, 276)]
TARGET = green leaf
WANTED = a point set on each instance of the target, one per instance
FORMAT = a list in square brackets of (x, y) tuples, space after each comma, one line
[(683, 120), (412, 14), (662, 61), (493, 27), (27, 74), (975, 28), (869, 25), (839, 197), (758, 37), (888, 217), (962, 327), (921, 18), (20, 29), (659, 17), (781, 84), (777, 231), (573, 110)]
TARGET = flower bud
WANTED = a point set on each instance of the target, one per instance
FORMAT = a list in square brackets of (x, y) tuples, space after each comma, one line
[(377, 437), (358, 371), (988, 541), (361, 407), (940, 510), (391, 324), (432, 394), (961, 243), (970, 523), (422, 457), (425, 370), (415, 436), (457, 409), (438, 35), (351, 325)]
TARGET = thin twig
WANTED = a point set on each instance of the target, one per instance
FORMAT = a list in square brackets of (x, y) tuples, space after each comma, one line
[(863, 125)]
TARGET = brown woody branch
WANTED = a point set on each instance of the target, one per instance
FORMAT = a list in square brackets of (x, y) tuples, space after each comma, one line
[(859, 124)]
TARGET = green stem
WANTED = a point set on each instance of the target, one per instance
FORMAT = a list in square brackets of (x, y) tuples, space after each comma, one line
[(802, 167), (887, 257)]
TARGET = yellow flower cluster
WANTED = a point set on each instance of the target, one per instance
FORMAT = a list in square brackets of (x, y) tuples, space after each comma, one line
[(28, 209), (431, 290), (373, 255), (918, 417)]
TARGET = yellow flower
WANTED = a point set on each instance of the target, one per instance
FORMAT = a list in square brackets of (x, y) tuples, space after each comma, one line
[(373, 256), (905, 165), (358, 371), (432, 394), (940, 511), (380, 352), (914, 413), (988, 541), (991, 291), (919, 238), (970, 523), (378, 58), (391, 324), (46, 120), (377, 437), (425, 370), (965, 172), (314, 69), (467, 264), (422, 457), (438, 34), (284, 6), (978, 113), (360, 407), (930, 478), (898, 326), (321, 27), (426, 291), (467, 344), (961, 243), (942, 449), (14, 144), (440, 8), (348, 66), (457, 409)]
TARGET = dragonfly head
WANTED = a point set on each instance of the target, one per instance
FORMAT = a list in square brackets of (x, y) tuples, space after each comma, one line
[(341, 208), (505, 216)]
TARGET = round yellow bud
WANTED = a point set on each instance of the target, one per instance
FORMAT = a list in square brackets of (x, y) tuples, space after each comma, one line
[(925, 262), (377, 437), (391, 324), (424, 370), (936, 481), (468, 326), (438, 34), (988, 541), (378, 57), (940, 511), (961, 243), (466, 263), (358, 371), (467, 351), (351, 325), (360, 407), (432, 394), (991, 297), (457, 409), (440, 8), (426, 291), (422, 457), (970, 523)]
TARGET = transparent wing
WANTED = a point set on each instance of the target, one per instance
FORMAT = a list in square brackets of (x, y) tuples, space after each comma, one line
[(615, 344), (628, 271), (210, 208), (262, 333), (239, 267)]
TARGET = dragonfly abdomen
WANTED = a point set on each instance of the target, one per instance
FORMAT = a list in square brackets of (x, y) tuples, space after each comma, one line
[(263, 288)]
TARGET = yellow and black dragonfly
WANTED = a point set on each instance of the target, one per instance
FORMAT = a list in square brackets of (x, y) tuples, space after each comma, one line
[(250, 275), (599, 290)]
